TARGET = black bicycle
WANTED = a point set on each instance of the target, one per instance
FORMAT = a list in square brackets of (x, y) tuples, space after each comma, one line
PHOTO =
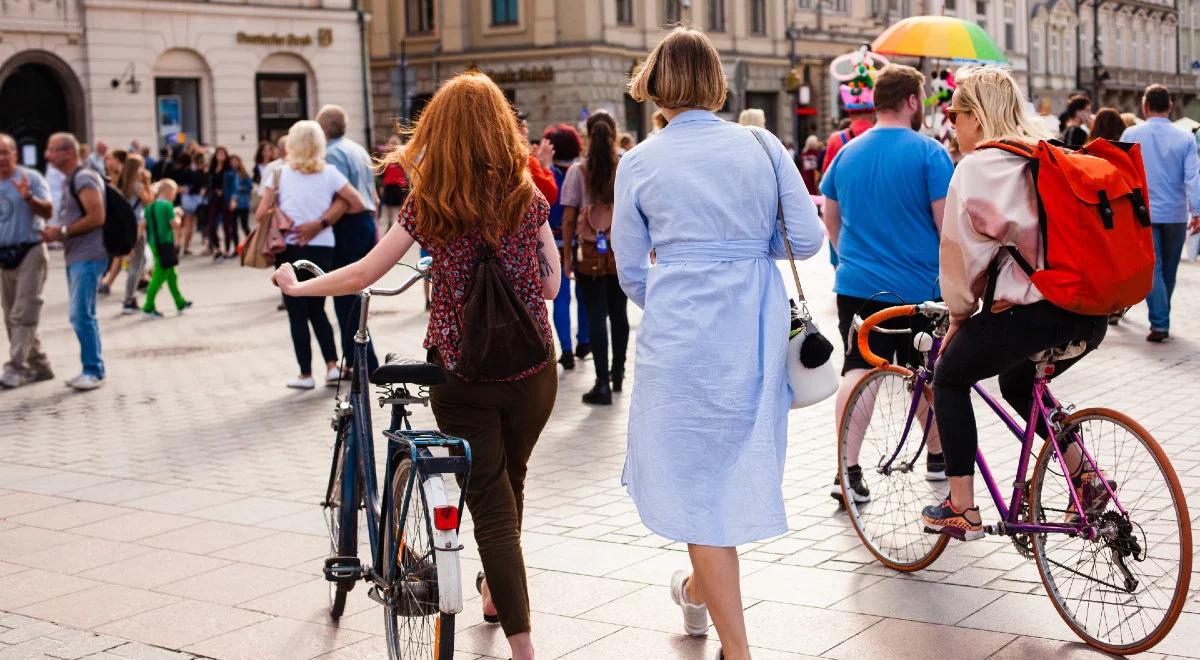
[(414, 571)]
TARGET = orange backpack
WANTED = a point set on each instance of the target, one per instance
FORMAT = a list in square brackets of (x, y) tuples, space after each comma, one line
[(1095, 225)]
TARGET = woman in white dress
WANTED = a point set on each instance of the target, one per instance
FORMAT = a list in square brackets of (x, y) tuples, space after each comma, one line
[(708, 415)]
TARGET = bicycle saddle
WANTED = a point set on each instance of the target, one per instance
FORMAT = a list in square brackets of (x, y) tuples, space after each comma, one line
[(396, 369), (1060, 352)]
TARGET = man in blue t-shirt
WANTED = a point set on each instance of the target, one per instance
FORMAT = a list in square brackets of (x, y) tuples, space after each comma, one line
[(884, 195), (24, 206)]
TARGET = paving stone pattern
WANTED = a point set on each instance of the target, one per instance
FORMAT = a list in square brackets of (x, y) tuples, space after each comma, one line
[(174, 513)]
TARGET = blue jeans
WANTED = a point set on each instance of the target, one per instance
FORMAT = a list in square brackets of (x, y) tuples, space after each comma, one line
[(82, 279), (562, 315), (1168, 250), (354, 236)]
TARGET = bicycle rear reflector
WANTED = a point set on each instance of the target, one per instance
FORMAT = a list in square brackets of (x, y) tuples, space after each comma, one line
[(445, 518)]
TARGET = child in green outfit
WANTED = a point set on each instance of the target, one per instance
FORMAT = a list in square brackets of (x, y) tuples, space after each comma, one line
[(160, 223)]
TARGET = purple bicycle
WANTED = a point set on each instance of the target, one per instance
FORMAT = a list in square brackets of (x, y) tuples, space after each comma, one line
[(1116, 564)]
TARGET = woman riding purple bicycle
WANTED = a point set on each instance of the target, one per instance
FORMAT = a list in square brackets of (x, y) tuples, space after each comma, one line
[(992, 204)]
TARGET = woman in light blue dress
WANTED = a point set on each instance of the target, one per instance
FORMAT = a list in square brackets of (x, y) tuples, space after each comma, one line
[(708, 415)]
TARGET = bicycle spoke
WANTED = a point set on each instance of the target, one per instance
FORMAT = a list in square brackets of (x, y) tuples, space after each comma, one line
[(1152, 547), (889, 524), (412, 618)]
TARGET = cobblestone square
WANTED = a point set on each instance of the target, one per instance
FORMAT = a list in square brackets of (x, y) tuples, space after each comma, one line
[(175, 512)]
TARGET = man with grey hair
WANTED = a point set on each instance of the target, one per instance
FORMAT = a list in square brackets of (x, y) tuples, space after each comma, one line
[(79, 226), (96, 159), (354, 233), (24, 205)]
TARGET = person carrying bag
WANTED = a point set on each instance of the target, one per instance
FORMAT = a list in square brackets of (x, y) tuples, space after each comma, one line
[(265, 241)]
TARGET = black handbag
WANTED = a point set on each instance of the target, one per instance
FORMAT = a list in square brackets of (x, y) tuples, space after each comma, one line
[(11, 256), (167, 253)]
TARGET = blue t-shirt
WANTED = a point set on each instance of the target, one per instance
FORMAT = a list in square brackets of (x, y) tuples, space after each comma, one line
[(18, 224), (884, 183)]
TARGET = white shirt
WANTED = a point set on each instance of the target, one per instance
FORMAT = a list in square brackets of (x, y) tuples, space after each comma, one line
[(304, 197)]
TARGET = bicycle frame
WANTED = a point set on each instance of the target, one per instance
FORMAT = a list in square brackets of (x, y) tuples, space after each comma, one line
[(401, 440), (1010, 512)]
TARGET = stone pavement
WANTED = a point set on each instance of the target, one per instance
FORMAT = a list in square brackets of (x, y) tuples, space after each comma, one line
[(174, 513)]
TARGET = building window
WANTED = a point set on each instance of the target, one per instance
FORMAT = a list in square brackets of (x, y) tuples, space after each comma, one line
[(419, 16), (1035, 51), (716, 15), (625, 12), (804, 4), (1010, 26), (840, 6), (1053, 63), (981, 13), (949, 6), (758, 16), (504, 12), (282, 101), (672, 12)]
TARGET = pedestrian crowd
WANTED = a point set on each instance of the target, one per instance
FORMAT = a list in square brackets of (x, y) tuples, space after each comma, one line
[(687, 225)]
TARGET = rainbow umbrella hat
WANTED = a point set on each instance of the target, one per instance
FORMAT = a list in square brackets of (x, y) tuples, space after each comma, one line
[(939, 37)]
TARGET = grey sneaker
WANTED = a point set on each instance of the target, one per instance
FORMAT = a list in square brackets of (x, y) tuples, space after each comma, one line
[(695, 617), (13, 379), (86, 382)]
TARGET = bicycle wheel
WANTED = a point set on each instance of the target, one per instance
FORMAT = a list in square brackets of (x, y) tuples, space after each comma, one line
[(1123, 591), (415, 626), (890, 523), (341, 519)]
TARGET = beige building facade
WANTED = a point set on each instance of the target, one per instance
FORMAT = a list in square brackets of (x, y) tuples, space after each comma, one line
[(560, 60), (167, 71)]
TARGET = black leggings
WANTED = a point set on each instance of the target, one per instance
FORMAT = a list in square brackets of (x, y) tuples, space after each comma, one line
[(605, 303), (991, 344), (233, 220), (303, 311)]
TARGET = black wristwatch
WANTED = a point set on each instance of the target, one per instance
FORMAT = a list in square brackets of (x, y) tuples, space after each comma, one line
[(326, 224)]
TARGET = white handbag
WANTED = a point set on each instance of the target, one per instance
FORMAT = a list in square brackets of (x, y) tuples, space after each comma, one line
[(814, 384)]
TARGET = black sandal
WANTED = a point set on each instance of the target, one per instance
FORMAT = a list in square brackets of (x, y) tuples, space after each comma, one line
[(489, 618)]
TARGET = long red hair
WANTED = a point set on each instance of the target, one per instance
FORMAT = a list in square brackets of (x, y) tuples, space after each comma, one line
[(467, 163)]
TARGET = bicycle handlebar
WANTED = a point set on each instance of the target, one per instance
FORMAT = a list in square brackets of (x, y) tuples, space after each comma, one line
[(864, 333), (305, 264), (422, 269), (930, 309)]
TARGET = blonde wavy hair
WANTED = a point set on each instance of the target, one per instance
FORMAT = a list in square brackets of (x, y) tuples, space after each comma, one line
[(993, 97), (306, 147)]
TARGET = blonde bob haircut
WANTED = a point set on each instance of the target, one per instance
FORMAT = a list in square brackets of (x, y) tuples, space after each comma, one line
[(306, 147), (683, 71), (753, 117), (994, 98)]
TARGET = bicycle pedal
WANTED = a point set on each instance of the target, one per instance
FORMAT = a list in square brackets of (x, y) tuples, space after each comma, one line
[(343, 569)]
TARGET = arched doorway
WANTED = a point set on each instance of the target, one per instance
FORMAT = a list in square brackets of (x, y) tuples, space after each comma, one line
[(38, 97)]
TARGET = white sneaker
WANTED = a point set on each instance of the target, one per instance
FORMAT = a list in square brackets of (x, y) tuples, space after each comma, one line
[(70, 382), (85, 382), (302, 383), (333, 376), (695, 617)]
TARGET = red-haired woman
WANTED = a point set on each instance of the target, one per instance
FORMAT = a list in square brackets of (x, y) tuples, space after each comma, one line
[(470, 186)]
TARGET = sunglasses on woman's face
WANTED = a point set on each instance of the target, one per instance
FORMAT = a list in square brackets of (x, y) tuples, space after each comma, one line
[(952, 115)]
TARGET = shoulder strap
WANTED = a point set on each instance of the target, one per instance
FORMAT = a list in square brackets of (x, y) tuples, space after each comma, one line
[(71, 187), (787, 244), (1011, 146)]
